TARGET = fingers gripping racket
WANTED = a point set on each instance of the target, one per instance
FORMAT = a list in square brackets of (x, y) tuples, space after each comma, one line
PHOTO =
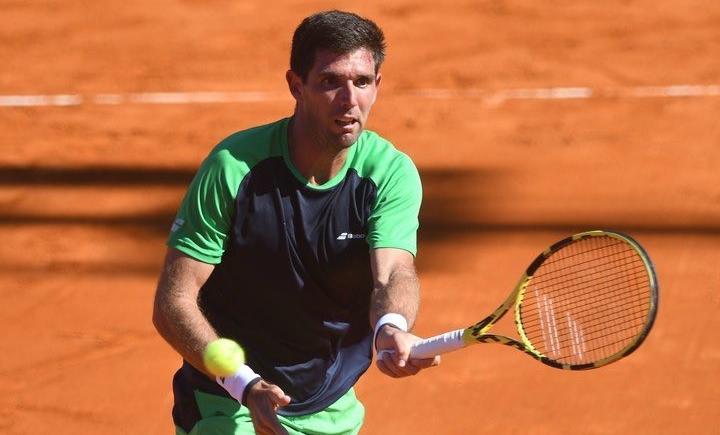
[(585, 302)]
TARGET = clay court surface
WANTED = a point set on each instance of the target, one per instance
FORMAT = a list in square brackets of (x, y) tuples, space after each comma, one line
[(88, 191)]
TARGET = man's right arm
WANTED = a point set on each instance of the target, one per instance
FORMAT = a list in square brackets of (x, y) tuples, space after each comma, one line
[(179, 320), (176, 314)]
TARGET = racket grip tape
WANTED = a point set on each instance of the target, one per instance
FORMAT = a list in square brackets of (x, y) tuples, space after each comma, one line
[(436, 345)]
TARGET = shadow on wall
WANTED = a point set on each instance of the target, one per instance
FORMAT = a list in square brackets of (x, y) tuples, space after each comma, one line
[(446, 195), (455, 201)]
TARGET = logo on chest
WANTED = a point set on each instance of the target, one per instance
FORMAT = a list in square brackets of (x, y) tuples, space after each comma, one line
[(348, 236)]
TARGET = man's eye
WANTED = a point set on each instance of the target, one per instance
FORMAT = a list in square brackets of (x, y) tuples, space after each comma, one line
[(361, 83)]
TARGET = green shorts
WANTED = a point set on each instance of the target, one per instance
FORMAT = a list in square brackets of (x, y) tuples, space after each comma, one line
[(221, 416)]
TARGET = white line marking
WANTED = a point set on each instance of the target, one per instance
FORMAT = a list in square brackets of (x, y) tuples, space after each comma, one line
[(103, 99), (204, 97), (676, 91), (552, 326), (573, 340), (445, 94), (543, 94), (40, 100), (578, 343), (541, 314), (492, 97)]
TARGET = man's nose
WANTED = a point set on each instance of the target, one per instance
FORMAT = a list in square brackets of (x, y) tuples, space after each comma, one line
[(348, 95)]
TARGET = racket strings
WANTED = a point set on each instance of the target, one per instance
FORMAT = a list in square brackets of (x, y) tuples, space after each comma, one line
[(579, 353), (610, 347), (578, 345), (586, 252), (578, 289), (587, 301), (528, 327), (600, 323), (595, 292), (573, 275)]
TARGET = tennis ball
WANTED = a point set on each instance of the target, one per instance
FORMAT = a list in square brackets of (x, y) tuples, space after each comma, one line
[(223, 357)]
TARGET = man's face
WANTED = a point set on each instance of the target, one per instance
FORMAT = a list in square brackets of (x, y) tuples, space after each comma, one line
[(336, 99)]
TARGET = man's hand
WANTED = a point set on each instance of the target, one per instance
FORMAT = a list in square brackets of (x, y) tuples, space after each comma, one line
[(263, 400), (397, 362)]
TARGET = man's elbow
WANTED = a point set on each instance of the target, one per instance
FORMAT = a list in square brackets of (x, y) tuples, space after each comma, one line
[(158, 318)]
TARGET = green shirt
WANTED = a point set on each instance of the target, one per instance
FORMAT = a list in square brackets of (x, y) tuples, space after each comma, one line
[(292, 281)]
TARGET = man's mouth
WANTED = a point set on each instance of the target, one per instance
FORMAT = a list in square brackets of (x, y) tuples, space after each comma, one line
[(345, 122)]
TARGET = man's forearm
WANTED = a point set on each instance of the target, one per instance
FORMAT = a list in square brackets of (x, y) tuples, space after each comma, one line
[(185, 329), (397, 292), (400, 294), (176, 314)]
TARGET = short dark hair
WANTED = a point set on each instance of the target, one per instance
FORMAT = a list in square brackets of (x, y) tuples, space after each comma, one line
[(335, 31)]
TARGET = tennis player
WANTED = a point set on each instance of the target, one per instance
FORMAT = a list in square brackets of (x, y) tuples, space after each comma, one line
[(297, 239)]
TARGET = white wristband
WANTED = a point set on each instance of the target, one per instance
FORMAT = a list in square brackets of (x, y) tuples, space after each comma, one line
[(237, 383), (395, 319)]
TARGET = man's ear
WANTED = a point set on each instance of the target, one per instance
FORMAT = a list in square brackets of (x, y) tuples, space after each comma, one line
[(377, 86), (295, 84)]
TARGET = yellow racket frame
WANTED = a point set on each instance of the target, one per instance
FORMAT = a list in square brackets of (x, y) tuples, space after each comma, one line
[(478, 333)]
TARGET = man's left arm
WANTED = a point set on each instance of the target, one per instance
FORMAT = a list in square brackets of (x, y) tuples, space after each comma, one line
[(395, 299)]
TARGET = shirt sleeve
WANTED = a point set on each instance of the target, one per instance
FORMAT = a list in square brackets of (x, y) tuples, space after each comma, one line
[(394, 221), (204, 220)]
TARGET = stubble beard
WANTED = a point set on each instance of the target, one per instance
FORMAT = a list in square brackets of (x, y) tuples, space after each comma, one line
[(327, 139)]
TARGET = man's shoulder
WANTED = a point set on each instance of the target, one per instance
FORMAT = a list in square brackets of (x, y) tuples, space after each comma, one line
[(252, 145), (372, 143), (377, 157)]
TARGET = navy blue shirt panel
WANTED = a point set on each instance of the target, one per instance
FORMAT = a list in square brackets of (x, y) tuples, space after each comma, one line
[(292, 288)]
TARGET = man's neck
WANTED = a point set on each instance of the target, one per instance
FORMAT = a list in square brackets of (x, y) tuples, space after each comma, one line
[(317, 162)]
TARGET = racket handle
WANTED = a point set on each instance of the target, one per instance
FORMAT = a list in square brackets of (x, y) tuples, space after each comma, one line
[(436, 345)]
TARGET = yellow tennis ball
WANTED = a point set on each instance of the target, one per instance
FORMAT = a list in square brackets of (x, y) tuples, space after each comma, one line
[(223, 357)]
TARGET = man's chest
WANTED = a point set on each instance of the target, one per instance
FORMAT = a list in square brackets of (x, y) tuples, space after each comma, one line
[(276, 214)]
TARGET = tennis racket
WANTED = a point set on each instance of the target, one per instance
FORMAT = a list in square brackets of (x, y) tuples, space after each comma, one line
[(587, 301)]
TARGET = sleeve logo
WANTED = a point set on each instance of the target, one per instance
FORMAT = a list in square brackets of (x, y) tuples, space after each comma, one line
[(347, 236), (177, 225)]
